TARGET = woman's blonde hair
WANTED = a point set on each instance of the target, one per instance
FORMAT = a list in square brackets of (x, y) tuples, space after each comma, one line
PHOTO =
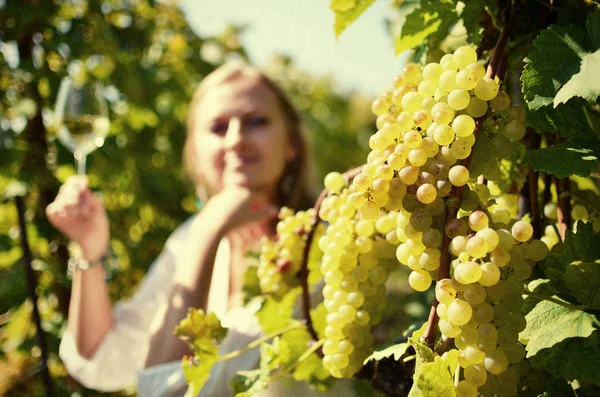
[(295, 186)]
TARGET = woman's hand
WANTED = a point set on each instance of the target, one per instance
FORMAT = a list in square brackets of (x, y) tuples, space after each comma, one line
[(236, 210), (79, 214)]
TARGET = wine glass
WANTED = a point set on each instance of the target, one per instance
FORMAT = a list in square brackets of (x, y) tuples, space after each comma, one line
[(81, 115)]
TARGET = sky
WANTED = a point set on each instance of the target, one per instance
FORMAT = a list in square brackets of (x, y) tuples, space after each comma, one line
[(361, 59)]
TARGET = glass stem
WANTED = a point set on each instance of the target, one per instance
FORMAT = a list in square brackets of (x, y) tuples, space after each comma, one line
[(81, 160)]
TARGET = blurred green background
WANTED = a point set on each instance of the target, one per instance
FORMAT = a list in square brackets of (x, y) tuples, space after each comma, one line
[(150, 62)]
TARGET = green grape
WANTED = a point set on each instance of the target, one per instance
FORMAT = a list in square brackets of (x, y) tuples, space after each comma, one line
[(412, 139), (419, 280), (422, 119), (466, 79), (478, 220), (463, 56), (448, 329), (490, 236), (550, 211), (443, 135), (432, 72), (411, 101), (405, 121), (522, 231), (483, 313), (442, 113), (474, 294), (490, 274), (477, 107), (417, 157), (456, 227), (459, 312), (427, 88), (380, 106), (501, 101), (476, 375), (536, 250), (470, 355), (447, 62), (463, 125), (495, 362), (486, 89), (411, 73), (426, 193), (458, 99), (514, 130), (458, 175), (467, 272)]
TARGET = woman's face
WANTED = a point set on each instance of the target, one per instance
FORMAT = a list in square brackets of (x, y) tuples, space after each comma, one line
[(241, 136)]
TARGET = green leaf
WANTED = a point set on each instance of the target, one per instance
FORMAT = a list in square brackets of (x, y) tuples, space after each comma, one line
[(395, 349), (317, 316), (436, 378), (342, 5), (197, 373), (559, 388), (549, 323), (563, 160), (555, 58), (274, 315), (343, 19), (576, 270), (585, 83), (573, 358), (418, 26), (472, 16), (592, 26), (570, 120)]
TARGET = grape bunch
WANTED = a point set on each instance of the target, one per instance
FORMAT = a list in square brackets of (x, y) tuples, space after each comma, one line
[(479, 307), (280, 259), (357, 259)]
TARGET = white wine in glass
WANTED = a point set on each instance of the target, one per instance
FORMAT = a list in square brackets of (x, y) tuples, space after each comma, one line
[(81, 114)]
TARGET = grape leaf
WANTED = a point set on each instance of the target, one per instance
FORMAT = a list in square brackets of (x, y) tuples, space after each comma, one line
[(472, 16), (396, 349), (197, 372), (555, 58), (576, 271), (343, 19), (274, 315), (549, 323), (429, 19), (573, 358), (585, 83), (436, 378), (342, 5), (203, 333), (592, 26), (563, 160)]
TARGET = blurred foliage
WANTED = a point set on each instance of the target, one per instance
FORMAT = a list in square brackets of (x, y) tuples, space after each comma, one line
[(150, 61)]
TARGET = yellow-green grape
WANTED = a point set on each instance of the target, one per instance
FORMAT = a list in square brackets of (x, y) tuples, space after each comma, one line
[(459, 312), (419, 280), (463, 56), (458, 175), (476, 107), (412, 139), (467, 272), (447, 62), (426, 193), (443, 135), (458, 99), (427, 88), (460, 148), (522, 231), (380, 106), (432, 72), (417, 157), (478, 220), (466, 79), (490, 236), (463, 125), (411, 73), (470, 355), (444, 291), (447, 328), (536, 250), (422, 119), (486, 89), (476, 375), (478, 68), (405, 121), (514, 130), (334, 182), (447, 81), (411, 101), (501, 101), (550, 211), (495, 362)]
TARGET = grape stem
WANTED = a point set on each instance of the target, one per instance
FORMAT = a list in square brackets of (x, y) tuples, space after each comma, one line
[(455, 197), (556, 301), (314, 348), (260, 341), (349, 175)]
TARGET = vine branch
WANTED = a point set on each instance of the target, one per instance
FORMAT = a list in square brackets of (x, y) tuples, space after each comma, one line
[(349, 175)]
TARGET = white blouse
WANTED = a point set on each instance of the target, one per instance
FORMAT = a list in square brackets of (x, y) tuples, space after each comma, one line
[(116, 364)]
